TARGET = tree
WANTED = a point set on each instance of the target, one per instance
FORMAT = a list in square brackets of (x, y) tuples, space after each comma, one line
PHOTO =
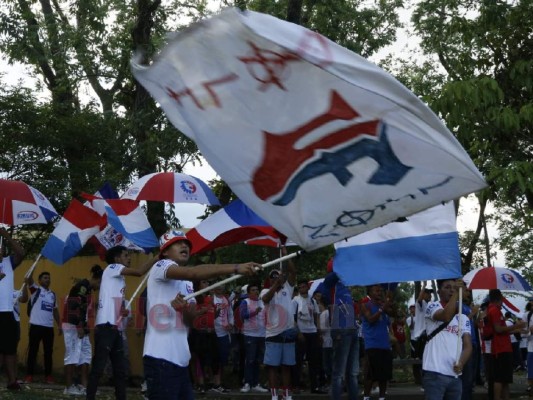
[(477, 75)]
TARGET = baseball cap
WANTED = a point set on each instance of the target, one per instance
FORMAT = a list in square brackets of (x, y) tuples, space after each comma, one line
[(274, 273), (171, 237), (428, 290)]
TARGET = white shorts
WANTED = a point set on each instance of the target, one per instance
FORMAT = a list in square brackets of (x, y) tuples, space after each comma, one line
[(77, 351)]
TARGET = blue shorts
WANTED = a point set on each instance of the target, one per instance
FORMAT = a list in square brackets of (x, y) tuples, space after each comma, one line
[(529, 365), (224, 346), (277, 354)]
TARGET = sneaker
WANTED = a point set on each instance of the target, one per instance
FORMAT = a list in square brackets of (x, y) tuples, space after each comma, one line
[(82, 389), (245, 388), (144, 387), (219, 389), (72, 391), (50, 380), (259, 389), (28, 379), (15, 386)]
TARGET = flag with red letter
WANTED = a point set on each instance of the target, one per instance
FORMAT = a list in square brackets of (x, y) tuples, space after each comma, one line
[(318, 141), (79, 223)]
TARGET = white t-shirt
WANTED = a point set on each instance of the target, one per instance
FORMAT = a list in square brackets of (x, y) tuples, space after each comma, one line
[(111, 296), (166, 333), (6, 285), (225, 315), (509, 322), (440, 352), (42, 310), (529, 335), (254, 326), (325, 329), (305, 309), (420, 319), (279, 312)]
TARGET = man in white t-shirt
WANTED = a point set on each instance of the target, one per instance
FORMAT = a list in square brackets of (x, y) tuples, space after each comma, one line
[(9, 332), (280, 338), (109, 312), (441, 368), (306, 315), (166, 351), (43, 305), (418, 334)]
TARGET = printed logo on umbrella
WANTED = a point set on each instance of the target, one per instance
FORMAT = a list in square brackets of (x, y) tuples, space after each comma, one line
[(132, 191), (188, 187), (27, 215), (507, 278), (38, 194)]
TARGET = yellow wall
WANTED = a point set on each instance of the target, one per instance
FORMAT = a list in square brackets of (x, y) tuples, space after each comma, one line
[(62, 280)]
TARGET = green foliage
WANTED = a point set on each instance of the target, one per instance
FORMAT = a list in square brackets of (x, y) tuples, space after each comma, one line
[(361, 26), (478, 79)]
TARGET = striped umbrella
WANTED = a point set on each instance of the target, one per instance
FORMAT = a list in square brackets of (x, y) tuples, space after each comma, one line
[(496, 278), (21, 204), (171, 187)]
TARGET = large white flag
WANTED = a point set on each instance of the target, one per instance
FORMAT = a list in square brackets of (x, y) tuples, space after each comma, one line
[(318, 141)]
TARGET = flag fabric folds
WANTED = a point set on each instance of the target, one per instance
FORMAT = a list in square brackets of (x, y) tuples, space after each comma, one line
[(232, 224), (128, 225), (78, 224), (318, 141), (424, 247), (127, 218)]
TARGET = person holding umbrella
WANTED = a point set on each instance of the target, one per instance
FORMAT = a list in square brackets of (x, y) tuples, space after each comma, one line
[(9, 331)]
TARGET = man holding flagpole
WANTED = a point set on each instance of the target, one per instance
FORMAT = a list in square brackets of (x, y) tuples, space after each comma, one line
[(110, 310), (441, 367), (9, 331), (166, 350)]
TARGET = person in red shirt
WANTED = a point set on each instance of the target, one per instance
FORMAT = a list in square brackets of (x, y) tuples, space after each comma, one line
[(398, 330), (501, 349)]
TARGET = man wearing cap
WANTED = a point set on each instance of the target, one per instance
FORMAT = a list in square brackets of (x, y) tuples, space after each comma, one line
[(280, 337), (166, 351), (110, 310)]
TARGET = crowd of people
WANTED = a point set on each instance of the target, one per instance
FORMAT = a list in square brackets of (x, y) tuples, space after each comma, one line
[(277, 323)]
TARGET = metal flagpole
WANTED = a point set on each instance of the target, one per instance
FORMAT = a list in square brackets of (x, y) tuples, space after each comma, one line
[(459, 339), (128, 304), (237, 276)]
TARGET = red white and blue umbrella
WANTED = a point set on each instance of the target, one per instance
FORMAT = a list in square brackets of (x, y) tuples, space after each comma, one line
[(21, 204), (496, 278), (171, 187)]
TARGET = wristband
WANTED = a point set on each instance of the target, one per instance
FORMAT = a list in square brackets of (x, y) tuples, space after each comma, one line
[(236, 269)]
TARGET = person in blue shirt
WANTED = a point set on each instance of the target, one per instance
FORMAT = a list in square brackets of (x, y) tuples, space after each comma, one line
[(375, 315), (345, 353)]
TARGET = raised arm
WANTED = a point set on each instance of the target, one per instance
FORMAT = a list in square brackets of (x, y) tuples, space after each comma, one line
[(143, 269), (18, 250)]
